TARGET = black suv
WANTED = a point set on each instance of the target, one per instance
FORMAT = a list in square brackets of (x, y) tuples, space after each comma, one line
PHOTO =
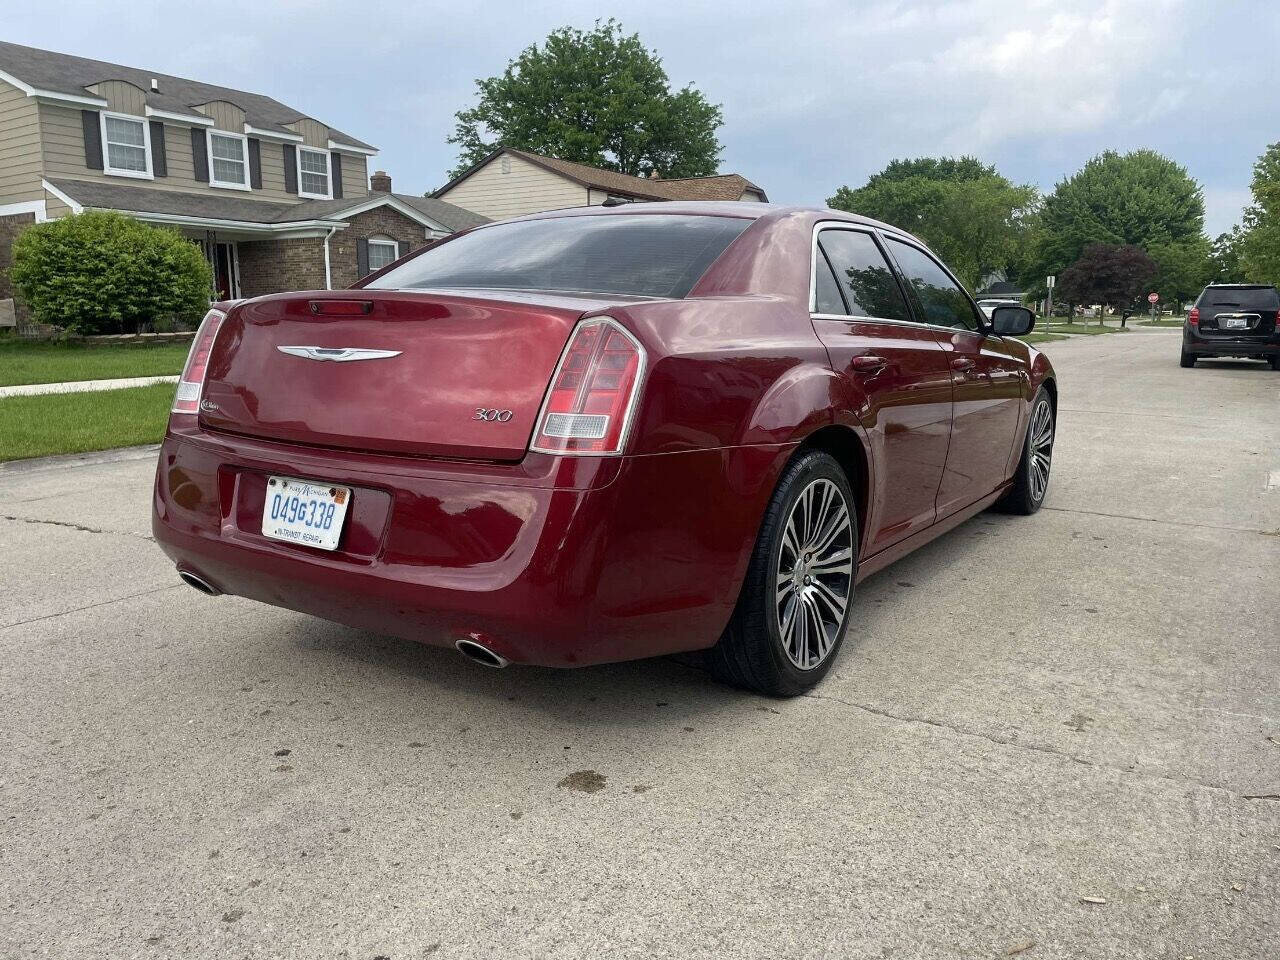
[(1233, 320)]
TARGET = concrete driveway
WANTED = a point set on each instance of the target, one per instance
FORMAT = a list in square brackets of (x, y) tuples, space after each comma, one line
[(1055, 736)]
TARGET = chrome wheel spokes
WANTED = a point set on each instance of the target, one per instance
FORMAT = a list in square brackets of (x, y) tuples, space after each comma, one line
[(814, 573), (1041, 443)]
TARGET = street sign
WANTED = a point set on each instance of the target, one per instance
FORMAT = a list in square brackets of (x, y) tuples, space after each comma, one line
[(1048, 282), (1153, 298)]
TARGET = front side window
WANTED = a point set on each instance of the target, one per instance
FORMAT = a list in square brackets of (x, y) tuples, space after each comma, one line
[(868, 285), (381, 252), (313, 173), (228, 163), (126, 140), (939, 299), (628, 254)]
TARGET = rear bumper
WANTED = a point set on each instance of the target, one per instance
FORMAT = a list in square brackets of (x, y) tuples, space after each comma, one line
[(1230, 346), (553, 561)]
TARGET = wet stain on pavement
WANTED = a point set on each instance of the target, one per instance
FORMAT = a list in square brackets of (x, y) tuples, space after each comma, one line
[(583, 781)]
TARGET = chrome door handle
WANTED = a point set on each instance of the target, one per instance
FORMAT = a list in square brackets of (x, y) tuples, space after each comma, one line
[(962, 363), (868, 363)]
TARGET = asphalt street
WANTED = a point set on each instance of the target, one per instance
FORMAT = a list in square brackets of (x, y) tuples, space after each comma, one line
[(1047, 736)]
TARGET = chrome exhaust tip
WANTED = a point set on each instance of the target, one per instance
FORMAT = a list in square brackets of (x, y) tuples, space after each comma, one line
[(481, 654), (204, 586)]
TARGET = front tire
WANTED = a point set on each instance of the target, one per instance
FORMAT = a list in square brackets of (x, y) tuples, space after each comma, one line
[(794, 607), (1031, 481)]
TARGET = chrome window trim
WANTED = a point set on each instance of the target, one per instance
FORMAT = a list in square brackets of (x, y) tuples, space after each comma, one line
[(875, 234)]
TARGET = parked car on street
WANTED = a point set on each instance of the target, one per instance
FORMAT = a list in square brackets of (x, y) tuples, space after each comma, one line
[(989, 307), (600, 434), (1233, 320)]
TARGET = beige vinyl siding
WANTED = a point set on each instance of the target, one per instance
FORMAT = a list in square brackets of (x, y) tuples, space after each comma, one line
[(355, 175), (225, 116), (528, 188), (314, 133), (53, 207), (19, 147), (62, 137), (121, 96)]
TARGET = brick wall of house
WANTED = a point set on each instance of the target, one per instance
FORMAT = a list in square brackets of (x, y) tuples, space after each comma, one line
[(10, 227), (382, 221), (273, 266)]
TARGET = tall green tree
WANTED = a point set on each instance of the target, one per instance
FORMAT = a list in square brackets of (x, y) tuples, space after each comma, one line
[(1224, 258), (1140, 198), (1260, 245), (1182, 269), (592, 96), (974, 218)]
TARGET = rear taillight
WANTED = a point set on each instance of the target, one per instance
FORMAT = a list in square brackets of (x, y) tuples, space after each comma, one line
[(1193, 317), (187, 399), (593, 391)]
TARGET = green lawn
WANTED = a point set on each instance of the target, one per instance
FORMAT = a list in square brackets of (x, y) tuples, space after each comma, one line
[(75, 422), (25, 361), (1091, 330), (1161, 323), (1041, 338)]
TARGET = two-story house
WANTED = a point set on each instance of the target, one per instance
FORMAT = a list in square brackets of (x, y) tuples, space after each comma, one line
[(276, 199)]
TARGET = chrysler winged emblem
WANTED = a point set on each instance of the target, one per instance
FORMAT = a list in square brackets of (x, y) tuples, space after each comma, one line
[(338, 354)]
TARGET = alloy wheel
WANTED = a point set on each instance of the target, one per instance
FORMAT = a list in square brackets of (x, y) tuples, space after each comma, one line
[(1041, 449), (814, 573)]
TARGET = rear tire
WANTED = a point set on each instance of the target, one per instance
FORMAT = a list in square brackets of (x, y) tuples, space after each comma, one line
[(1187, 359), (1274, 360), (794, 607), (1031, 481)]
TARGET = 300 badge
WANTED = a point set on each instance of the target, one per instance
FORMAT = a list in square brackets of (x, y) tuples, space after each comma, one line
[(491, 414)]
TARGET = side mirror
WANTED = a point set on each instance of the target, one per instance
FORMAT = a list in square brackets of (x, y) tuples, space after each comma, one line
[(1012, 321)]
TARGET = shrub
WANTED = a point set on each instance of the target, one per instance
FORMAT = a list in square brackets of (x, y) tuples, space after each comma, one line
[(103, 272)]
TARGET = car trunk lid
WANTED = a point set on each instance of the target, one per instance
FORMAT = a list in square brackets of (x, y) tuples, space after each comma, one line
[(1245, 313), (459, 375)]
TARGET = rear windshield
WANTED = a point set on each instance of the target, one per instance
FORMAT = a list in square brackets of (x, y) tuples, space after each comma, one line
[(1244, 298), (641, 255)]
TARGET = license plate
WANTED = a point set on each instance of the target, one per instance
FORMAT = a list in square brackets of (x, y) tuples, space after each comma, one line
[(1233, 323), (300, 511)]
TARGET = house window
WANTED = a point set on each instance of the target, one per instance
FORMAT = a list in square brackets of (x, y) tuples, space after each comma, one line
[(313, 174), (382, 250), (128, 146), (228, 160)]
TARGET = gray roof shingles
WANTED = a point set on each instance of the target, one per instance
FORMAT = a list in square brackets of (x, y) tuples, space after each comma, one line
[(208, 206), (63, 73)]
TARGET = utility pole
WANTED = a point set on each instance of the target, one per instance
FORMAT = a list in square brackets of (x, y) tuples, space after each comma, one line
[(1049, 282)]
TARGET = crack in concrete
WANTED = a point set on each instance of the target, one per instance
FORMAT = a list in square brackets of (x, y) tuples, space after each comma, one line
[(90, 606), (1036, 748), (78, 526), (1173, 523)]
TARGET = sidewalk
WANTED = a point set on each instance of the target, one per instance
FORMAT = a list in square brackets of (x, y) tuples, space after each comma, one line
[(82, 386)]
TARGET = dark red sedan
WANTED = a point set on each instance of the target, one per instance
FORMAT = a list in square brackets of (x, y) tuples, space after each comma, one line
[(600, 434)]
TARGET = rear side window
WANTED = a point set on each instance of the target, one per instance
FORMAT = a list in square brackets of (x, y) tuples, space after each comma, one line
[(938, 298), (826, 295), (641, 255), (864, 275), (1240, 298)]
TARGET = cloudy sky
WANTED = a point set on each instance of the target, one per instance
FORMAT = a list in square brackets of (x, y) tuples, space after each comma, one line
[(815, 94)]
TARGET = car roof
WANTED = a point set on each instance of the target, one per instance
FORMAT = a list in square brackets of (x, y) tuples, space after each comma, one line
[(747, 209)]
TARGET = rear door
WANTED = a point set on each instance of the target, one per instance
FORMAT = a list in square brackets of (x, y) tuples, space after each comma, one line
[(861, 316), (986, 373), (1238, 312)]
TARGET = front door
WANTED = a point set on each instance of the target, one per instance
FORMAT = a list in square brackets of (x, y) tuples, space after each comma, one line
[(899, 370), (225, 261), (988, 381)]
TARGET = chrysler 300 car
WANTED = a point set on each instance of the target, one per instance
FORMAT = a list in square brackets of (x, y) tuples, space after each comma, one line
[(601, 434)]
